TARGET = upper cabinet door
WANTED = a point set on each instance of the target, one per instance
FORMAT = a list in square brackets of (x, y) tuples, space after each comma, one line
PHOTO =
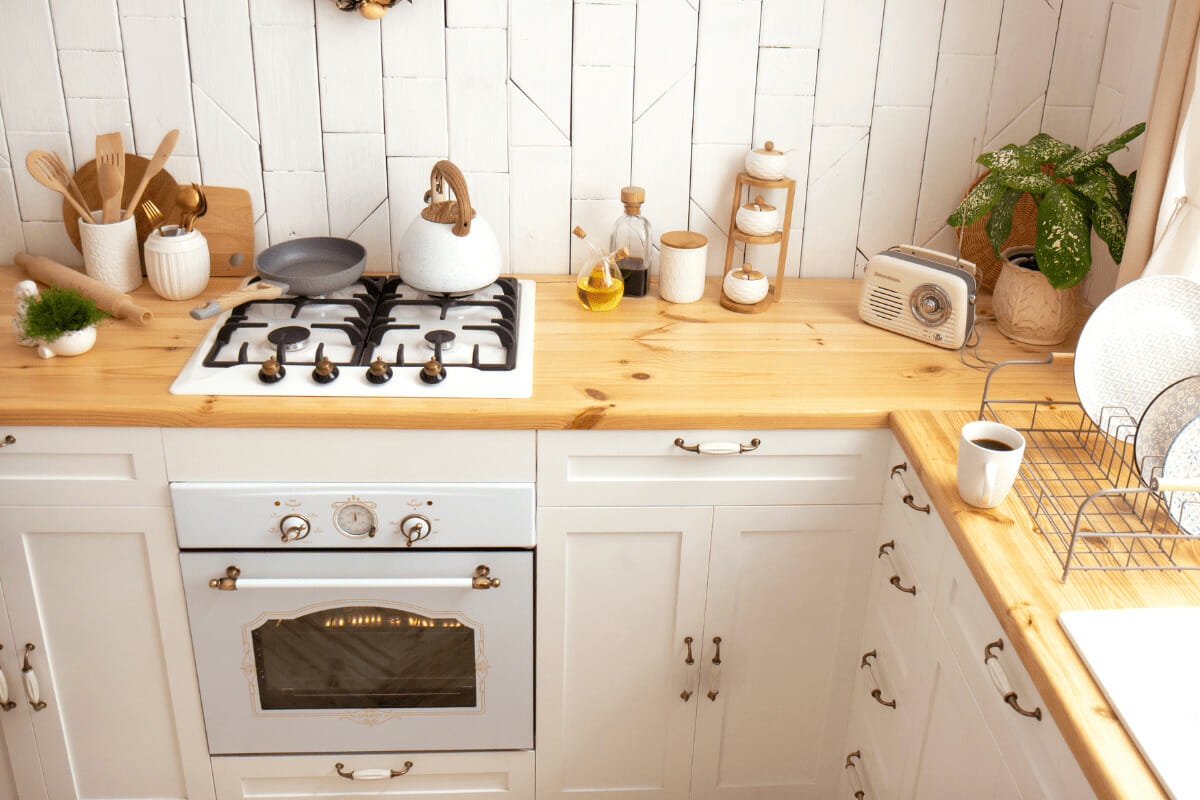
[(787, 587), (619, 591)]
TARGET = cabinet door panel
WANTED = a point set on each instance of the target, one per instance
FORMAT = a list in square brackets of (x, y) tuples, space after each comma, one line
[(617, 594), (786, 594), (20, 764), (97, 591)]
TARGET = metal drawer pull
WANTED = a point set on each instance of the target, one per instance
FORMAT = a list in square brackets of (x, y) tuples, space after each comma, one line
[(718, 448), (714, 677), (32, 691), (371, 774), (898, 473), (8, 439), (687, 640), (232, 581), (852, 774), (5, 703), (1000, 680), (885, 551), (877, 693)]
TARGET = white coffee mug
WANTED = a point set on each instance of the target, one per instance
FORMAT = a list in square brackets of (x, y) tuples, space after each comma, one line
[(989, 455)]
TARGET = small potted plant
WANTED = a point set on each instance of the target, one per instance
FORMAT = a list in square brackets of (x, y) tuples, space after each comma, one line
[(60, 322), (1039, 290)]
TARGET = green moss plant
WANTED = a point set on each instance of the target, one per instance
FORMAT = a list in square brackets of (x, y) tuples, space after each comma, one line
[(59, 311)]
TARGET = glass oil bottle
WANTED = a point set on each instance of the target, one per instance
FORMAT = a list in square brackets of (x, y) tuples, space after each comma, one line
[(632, 232), (599, 286)]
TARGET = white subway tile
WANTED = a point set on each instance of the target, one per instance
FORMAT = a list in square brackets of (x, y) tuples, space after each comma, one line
[(476, 13), (1106, 116), (222, 58), (601, 135), (665, 50), (415, 116), (92, 117), (477, 98), (528, 126), (50, 240), (285, 63), (1021, 129), (184, 169), (93, 74), (604, 35), (705, 225), (374, 234), (162, 9), (1068, 123), (295, 205), (540, 209), (1123, 23), (785, 121), (539, 38), (37, 203), (970, 27), (1078, 52), (662, 161), (908, 52), (893, 177), (348, 69), (1023, 56), (786, 71), (414, 41), (85, 24), (408, 180), (489, 195), (229, 156), (849, 56), (35, 102), (355, 178), (792, 23), (160, 96), (714, 171), (12, 240), (726, 69), (835, 185), (281, 12)]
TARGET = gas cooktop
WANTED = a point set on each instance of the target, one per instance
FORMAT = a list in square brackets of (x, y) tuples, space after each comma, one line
[(375, 338)]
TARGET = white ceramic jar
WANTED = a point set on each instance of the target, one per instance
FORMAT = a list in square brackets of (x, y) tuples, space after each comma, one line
[(758, 218), (745, 285), (177, 266), (110, 252), (682, 259), (767, 164)]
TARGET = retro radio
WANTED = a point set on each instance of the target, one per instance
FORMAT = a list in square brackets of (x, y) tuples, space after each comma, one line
[(920, 293)]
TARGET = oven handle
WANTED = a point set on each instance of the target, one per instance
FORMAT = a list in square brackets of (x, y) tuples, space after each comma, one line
[(233, 581)]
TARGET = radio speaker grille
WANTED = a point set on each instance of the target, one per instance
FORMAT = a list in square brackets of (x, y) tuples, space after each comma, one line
[(886, 303)]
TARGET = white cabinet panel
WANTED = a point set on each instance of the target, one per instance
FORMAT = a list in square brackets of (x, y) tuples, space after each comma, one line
[(20, 762)]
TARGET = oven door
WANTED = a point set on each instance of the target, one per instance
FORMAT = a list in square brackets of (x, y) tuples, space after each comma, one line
[(353, 651)]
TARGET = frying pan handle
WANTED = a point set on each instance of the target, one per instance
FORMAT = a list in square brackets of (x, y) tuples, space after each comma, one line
[(259, 291), (446, 171)]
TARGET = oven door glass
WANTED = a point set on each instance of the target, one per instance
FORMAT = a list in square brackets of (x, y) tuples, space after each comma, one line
[(365, 657)]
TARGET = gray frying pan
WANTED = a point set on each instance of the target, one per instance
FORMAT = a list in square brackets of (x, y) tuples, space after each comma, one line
[(307, 267)]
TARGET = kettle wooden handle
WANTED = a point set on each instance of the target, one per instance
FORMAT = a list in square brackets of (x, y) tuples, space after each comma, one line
[(460, 212)]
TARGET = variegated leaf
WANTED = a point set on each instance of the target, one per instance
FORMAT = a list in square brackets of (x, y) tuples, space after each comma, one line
[(1036, 183), (999, 224), (978, 201), (1063, 247), (1044, 148), (1094, 188), (1081, 162), (1111, 226), (1008, 159)]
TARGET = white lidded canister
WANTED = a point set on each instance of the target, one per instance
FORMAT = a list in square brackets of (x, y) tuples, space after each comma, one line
[(682, 258)]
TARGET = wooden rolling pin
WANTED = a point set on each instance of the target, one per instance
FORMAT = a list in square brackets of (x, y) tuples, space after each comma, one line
[(119, 304)]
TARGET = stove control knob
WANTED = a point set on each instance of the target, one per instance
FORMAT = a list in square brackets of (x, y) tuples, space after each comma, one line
[(293, 527), (415, 527)]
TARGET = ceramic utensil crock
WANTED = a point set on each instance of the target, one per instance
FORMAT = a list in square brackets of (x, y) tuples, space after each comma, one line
[(681, 266)]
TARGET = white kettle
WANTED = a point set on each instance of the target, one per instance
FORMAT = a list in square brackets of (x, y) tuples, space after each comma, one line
[(448, 249)]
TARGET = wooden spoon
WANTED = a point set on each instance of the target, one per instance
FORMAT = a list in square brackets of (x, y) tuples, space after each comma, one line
[(41, 166), (110, 164), (153, 168)]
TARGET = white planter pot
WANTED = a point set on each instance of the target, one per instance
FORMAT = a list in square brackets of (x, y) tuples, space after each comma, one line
[(1028, 309), (69, 344)]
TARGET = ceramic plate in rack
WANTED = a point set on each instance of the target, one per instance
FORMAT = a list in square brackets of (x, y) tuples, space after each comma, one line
[(1141, 339), (1167, 414), (1183, 463)]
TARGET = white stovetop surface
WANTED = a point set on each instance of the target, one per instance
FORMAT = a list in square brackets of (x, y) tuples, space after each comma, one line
[(1146, 661)]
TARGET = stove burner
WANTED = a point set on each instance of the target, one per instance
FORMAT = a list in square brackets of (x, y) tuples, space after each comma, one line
[(291, 337), (439, 341)]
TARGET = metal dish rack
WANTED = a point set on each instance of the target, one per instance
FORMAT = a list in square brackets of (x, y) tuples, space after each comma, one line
[(1084, 492)]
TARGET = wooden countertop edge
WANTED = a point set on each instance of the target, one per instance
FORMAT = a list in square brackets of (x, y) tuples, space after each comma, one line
[(1026, 595)]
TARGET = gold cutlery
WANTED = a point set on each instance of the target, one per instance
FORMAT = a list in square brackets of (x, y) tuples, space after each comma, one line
[(153, 168), (43, 169), (201, 209), (110, 168), (151, 212)]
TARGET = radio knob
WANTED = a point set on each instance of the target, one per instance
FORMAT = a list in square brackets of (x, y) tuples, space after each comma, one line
[(415, 527), (293, 527), (930, 304)]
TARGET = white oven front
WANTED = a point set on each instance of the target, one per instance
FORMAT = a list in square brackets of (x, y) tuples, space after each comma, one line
[(343, 651)]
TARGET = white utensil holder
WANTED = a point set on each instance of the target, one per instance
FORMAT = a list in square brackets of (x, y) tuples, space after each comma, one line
[(110, 252), (682, 260), (177, 266)]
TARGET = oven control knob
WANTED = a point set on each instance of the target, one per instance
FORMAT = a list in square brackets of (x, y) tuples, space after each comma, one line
[(415, 527), (293, 527)]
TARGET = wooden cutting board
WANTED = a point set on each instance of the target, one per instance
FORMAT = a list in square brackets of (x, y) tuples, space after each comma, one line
[(228, 226)]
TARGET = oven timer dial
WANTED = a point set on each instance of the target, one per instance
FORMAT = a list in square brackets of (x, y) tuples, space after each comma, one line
[(355, 520)]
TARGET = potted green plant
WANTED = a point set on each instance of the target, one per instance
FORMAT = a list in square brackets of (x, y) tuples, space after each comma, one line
[(60, 322), (1039, 290)]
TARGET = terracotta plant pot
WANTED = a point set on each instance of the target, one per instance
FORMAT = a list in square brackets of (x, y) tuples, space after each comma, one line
[(1028, 309)]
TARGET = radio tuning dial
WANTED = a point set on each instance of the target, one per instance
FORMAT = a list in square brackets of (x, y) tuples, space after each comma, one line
[(415, 527), (930, 304), (293, 527)]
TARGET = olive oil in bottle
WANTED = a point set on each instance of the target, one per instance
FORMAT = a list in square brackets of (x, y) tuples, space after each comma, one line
[(599, 286)]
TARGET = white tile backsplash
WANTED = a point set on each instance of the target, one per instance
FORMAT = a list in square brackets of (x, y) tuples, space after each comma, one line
[(332, 121)]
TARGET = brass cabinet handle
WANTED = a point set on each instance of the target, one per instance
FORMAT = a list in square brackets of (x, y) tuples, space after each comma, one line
[(852, 774), (885, 551), (688, 641), (32, 691), (717, 655), (1000, 680), (5, 703), (898, 472), (371, 774), (867, 664), (718, 448), (8, 439), (715, 676)]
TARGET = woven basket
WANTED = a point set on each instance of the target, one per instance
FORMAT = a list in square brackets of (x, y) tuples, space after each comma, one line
[(975, 246)]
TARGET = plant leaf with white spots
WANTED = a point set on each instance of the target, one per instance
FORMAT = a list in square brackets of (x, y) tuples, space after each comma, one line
[(1063, 248)]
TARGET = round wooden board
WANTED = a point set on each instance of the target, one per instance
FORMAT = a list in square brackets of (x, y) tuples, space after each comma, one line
[(161, 189)]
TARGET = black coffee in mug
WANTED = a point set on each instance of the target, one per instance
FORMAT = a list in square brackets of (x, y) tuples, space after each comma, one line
[(993, 444)]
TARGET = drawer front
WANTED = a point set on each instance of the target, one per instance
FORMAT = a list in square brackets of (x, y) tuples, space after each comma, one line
[(913, 518), (77, 466), (642, 468), (496, 775)]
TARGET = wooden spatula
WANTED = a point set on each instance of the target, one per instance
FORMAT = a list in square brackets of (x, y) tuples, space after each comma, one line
[(153, 168), (110, 168)]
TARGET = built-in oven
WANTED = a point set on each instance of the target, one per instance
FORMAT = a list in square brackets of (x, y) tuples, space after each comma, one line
[(360, 618)]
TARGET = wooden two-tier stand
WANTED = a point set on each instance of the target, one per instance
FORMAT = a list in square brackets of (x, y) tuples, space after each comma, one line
[(780, 237)]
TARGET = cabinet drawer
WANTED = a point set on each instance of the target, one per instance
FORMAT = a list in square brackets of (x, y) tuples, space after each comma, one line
[(75, 466), (642, 468), (492, 775), (913, 521)]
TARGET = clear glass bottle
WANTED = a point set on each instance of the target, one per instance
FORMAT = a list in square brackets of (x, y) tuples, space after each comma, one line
[(632, 232), (599, 285)]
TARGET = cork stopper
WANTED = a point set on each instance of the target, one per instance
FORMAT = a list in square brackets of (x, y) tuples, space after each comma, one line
[(633, 197)]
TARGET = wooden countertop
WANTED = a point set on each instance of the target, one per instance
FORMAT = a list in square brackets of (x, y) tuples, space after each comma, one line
[(1021, 578), (808, 361)]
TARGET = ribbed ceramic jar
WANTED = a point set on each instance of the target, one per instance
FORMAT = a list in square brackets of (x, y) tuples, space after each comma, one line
[(177, 266), (767, 164)]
